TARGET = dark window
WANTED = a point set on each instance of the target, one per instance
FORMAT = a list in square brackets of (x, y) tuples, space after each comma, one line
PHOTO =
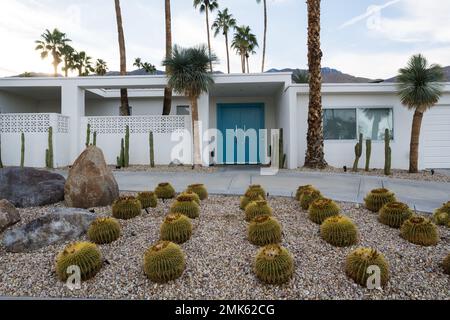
[(339, 124)]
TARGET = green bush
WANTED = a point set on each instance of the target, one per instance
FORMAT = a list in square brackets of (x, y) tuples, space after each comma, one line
[(420, 231), (358, 262), (148, 199), (126, 208), (176, 228), (104, 230), (321, 209), (165, 191), (394, 214), (200, 190), (164, 262), (264, 230), (309, 196), (257, 208), (274, 265), (377, 198), (187, 206), (339, 231)]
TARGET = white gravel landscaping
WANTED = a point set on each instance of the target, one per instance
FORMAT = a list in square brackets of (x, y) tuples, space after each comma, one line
[(219, 260)]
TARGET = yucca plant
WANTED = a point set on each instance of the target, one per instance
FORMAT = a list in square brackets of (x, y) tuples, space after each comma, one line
[(309, 196), (126, 208), (248, 197), (165, 191), (264, 230), (321, 209), (359, 261), (339, 231), (187, 206), (274, 265), (164, 262), (200, 190), (176, 228), (257, 208), (394, 214), (420, 231), (104, 230), (148, 199), (377, 198)]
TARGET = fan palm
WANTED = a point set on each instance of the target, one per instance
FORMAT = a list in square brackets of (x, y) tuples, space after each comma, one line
[(101, 68), (148, 67), (224, 22), (244, 42), (167, 106), (67, 53), (82, 63), (265, 34), (419, 89), (207, 6), (300, 76), (188, 75), (124, 104), (51, 43)]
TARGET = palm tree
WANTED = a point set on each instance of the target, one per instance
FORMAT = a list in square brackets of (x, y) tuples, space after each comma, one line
[(51, 43), (124, 106), (101, 68), (244, 42), (419, 90), (207, 6), (82, 63), (167, 106), (315, 157), (148, 67), (224, 22), (67, 53), (265, 34), (188, 75), (300, 76)]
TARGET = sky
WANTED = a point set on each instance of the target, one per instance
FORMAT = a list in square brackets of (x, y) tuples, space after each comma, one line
[(368, 38)]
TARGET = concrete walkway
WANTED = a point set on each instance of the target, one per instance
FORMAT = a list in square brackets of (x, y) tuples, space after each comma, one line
[(424, 196)]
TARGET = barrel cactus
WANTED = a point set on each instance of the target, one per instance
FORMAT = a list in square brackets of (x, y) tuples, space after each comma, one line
[(377, 198), (148, 199), (187, 206), (248, 197), (164, 262), (446, 265), (104, 230), (84, 255), (309, 196), (257, 208), (193, 196), (126, 208), (321, 209), (165, 191), (359, 261), (176, 228), (258, 189), (393, 214), (200, 190), (264, 230), (339, 231), (300, 191), (274, 264), (442, 215), (420, 230)]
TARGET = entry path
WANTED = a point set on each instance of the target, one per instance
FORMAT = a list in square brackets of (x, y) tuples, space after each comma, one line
[(424, 196)]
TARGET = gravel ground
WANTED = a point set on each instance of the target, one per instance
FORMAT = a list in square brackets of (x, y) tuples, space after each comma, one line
[(164, 169), (398, 174), (219, 260)]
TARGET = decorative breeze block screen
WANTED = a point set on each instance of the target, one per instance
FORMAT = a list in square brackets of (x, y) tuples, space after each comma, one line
[(63, 124), (26, 123)]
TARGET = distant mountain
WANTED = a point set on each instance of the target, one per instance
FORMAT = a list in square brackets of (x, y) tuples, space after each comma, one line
[(329, 75), (139, 72), (446, 75)]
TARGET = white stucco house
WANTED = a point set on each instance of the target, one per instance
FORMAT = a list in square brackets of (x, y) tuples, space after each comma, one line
[(251, 101)]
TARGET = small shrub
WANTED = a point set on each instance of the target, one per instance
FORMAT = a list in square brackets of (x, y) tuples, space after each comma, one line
[(394, 214), (359, 261), (176, 228), (126, 208), (200, 190), (420, 231), (264, 230), (274, 265), (300, 191), (164, 262), (257, 208), (446, 265), (377, 198), (165, 191), (248, 197), (258, 189), (148, 200), (187, 206), (309, 196), (339, 231), (321, 209), (104, 230)]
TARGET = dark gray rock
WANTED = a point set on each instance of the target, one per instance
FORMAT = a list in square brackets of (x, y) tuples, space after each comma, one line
[(63, 224), (8, 214), (28, 187)]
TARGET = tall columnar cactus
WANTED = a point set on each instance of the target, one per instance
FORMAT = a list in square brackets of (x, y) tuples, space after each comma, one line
[(152, 150), (121, 157), (387, 153), (1, 163), (94, 142), (127, 147), (22, 150), (368, 154), (88, 135), (49, 152), (281, 150), (358, 153)]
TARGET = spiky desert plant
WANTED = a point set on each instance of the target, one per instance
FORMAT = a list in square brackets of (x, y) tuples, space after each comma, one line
[(302, 189), (264, 230), (248, 197), (84, 255), (358, 153), (368, 154), (104, 230), (393, 214), (187, 206), (339, 231), (49, 163), (420, 231), (446, 265), (88, 135), (176, 228), (274, 264), (126, 208), (164, 262), (308, 197), (148, 199), (193, 196), (321, 209), (358, 263), (152, 149), (257, 208), (165, 191), (257, 189), (22, 150), (442, 215), (200, 190), (377, 198)]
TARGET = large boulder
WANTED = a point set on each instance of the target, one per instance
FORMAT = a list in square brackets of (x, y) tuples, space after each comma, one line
[(28, 187), (63, 224), (8, 214), (91, 182)]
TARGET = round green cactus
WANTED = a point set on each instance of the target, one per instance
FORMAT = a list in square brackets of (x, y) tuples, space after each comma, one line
[(126, 208), (164, 262), (165, 191), (321, 209), (377, 198), (441, 218), (193, 196), (446, 265), (84, 255), (358, 263), (187, 206), (104, 230), (257, 189), (393, 214), (300, 191), (420, 231), (248, 197), (445, 207), (148, 199), (274, 265), (257, 208), (200, 190), (339, 231), (176, 228), (309, 196), (264, 230)]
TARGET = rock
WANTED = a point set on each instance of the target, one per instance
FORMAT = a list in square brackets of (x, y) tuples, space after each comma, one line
[(91, 182), (28, 187), (8, 214), (63, 224)]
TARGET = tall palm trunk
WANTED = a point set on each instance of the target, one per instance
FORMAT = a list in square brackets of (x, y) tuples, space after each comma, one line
[(243, 62), (55, 63), (265, 36), (168, 91), (314, 155), (228, 52), (124, 104), (66, 68), (248, 65), (209, 36), (196, 132), (415, 137)]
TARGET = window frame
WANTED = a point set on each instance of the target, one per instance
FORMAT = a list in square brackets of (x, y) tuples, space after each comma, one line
[(189, 109)]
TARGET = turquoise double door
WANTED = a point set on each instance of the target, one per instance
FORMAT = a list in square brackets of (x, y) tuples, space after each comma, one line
[(240, 125)]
